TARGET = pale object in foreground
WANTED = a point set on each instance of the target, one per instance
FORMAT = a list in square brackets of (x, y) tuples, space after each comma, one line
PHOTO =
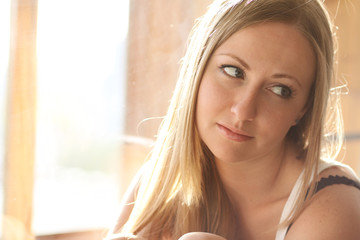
[(201, 236)]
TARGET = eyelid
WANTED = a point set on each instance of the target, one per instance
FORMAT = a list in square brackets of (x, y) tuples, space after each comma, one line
[(243, 64), (294, 79)]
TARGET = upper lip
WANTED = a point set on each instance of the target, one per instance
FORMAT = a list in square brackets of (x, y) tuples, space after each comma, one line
[(235, 130)]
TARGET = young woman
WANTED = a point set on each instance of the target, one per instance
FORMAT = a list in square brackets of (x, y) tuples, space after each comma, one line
[(247, 148)]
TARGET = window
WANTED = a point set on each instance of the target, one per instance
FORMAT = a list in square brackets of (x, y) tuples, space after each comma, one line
[(347, 21), (4, 57), (80, 113)]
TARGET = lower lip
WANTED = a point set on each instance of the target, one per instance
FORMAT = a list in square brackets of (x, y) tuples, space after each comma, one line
[(233, 136)]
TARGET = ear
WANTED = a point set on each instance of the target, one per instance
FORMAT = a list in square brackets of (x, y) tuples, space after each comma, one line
[(300, 115)]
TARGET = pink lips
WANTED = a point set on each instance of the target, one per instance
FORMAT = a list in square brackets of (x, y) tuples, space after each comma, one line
[(233, 134)]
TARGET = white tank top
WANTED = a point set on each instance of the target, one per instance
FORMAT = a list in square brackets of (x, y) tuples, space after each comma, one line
[(281, 233)]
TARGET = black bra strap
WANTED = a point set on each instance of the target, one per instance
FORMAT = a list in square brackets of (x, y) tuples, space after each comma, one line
[(332, 180)]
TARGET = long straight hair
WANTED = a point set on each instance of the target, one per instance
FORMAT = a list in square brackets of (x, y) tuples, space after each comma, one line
[(181, 191)]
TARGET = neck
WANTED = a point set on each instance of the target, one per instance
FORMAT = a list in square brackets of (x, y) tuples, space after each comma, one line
[(254, 182)]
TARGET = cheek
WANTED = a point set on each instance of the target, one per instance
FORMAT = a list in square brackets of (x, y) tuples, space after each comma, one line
[(212, 99), (278, 121), (277, 118), (204, 101)]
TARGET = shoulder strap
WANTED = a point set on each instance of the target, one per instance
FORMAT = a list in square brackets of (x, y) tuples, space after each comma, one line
[(331, 180)]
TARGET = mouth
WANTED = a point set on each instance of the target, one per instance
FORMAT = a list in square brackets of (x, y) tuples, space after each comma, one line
[(233, 134)]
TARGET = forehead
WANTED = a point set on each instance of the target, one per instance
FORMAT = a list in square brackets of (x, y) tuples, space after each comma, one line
[(275, 46)]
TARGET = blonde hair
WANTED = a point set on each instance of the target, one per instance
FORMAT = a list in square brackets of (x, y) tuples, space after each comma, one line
[(173, 197)]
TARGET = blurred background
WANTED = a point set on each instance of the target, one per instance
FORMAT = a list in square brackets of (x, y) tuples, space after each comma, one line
[(83, 87)]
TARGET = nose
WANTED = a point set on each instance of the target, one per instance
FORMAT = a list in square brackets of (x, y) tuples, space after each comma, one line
[(244, 106)]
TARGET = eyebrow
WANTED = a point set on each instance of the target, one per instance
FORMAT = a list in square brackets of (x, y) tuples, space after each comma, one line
[(242, 62)]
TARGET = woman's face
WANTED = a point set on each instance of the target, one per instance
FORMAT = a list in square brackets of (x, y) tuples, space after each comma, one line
[(255, 86)]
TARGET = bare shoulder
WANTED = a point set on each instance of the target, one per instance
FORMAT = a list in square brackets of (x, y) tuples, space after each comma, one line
[(332, 213)]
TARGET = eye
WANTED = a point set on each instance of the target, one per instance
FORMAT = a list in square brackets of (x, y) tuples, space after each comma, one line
[(282, 90), (233, 71)]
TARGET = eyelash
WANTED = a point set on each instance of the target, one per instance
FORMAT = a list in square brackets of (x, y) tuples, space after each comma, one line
[(289, 94), (237, 71), (290, 91)]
